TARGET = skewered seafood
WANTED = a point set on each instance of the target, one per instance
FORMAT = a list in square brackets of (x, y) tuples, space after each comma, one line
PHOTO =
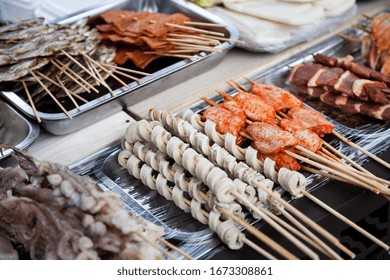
[(56, 214)]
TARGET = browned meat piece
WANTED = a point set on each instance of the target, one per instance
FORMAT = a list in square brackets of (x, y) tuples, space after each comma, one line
[(269, 138), (325, 77), (282, 160), (378, 111), (138, 57), (311, 119), (276, 97), (225, 120), (302, 73), (306, 138)]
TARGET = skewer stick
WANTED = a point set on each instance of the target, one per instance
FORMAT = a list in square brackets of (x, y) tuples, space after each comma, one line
[(222, 39), (78, 76), (362, 171), (126, 69), (68, 93), (298, 233), (51, 95), (174, 55), (371, 155), (173, 247), (197, 47), (31, 102), (346, 220), (86, 61), (105, 70), (158, 247), (320, 172), (190, 41), (338, 173), (70, 76), (310, 154), (81, 66), (197, 37), (349, 38), (195, 29), (204, 24), (126, 75), (103, 82)]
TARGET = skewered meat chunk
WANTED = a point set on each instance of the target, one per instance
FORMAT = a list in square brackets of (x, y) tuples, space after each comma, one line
[(281, 160), (278, 98), (269, 138), (349, 63), (378, 111), (233, 107), (302, 73), (311, 119), (306, 138), (225, 120), (255, 108), (380, 30)]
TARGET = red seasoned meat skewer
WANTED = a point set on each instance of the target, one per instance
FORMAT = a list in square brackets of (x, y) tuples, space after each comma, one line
[(312, 120), (253, 106), (278, 98)]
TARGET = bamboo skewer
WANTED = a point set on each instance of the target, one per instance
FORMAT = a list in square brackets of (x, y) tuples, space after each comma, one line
[(70, 76), (349, 38), (78, 76), (196, 29), (105, 70), (369, 154), (31, 102), (171, 246), (174, 55), (222, 39), (126, 69), (51, 95), (82, 66), (148, 240), (103, 82), (207, 24), (197, 37), (68, 93)]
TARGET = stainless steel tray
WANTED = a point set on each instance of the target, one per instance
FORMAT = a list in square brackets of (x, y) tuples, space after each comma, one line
[(177, 71), (15, 129)]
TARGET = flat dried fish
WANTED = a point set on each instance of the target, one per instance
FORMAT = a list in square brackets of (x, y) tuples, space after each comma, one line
[(21, 69), (21, 25)]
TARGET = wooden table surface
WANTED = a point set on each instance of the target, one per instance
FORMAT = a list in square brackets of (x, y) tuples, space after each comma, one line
[(75, 146)]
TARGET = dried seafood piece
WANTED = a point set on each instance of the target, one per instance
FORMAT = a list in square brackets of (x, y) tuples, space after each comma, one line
[(21, 25), (56, 214)]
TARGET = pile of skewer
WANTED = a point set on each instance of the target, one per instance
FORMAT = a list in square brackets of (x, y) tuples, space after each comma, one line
[(292, 138), (180, 157), (58, 61), (143, 37)]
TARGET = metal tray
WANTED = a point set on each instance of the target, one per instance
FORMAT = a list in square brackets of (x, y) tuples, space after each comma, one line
[(175, 72), (15, 129)]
